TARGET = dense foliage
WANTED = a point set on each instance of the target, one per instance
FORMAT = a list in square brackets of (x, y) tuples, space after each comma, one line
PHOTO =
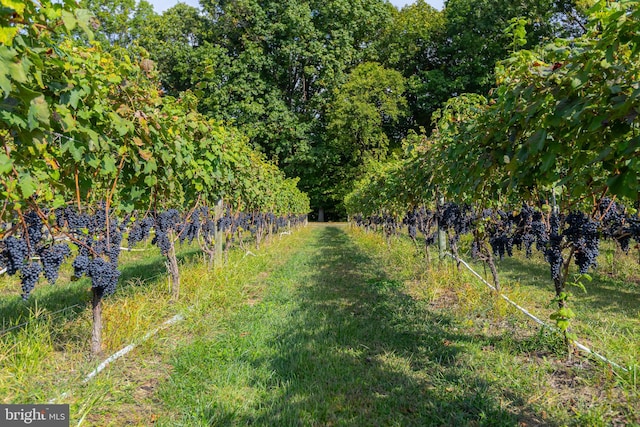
[(90, 141), (558, 137), (324, 86)]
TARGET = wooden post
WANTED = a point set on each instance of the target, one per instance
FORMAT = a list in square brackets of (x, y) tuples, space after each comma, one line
[(219, 235), (96, 333), (442, 234)]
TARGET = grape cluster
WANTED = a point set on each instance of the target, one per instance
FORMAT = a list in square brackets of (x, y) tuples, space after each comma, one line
[(165, 222), (583, 233), (612, 216), (426, 224), (633, 228), (139, 231), (29, 274), (189, 228), (390, 225), (524, 235), (411, 221), (453, 217), (553, 255), (34, 228), (52, 258), (96, 240), (114, 243), (226, 222), (80, 265), (500, 235), (539, 230), (501, 245), (617, 224), (15, 253), (104, 275)]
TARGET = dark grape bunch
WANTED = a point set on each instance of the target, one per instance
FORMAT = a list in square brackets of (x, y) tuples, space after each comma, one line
[(390, 225), (524, 233), (553, 255), (411, 221), (34, 228), (583, 233), (500, 233), (165, 222), (426, 225), (140, 230), (618, 224), (539, 230), (80, 265), (612, 217), (16, 252), (98, 242), (29, 274), (52, 258), (104, 275), (455, 218)]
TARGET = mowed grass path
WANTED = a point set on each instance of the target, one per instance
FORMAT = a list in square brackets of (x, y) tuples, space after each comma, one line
[(335, 341)]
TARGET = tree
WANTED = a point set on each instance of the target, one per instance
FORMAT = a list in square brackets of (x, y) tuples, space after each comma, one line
[(174, 41), (119, 19), (361, 120), (410, 44), (474, 38)]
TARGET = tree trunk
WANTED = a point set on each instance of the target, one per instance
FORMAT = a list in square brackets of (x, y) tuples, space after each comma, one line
[(492, 266), (96, 334), (442, 234), (218, 234), (259, 232), (172, 267), (426, 251)]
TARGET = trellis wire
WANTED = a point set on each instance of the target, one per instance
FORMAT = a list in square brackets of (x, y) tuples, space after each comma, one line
[(536, 319)]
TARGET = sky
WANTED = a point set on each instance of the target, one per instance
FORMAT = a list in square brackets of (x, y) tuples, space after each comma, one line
[(162, 5)]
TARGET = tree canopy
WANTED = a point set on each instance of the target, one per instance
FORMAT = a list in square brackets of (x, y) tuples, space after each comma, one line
[(323, 87)]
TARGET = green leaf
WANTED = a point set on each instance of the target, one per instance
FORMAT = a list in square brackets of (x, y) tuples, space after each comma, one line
[(566, 313), (563, 325), (6, 164), (26, 93), (537, 140), (17, 6), (75, 96), (75, 149), (7, 34), (5, 85), (108, 165), (84, 18), (18, 71), (150, 166), (69, 20), (548, 160), (624, 184), (151, 180), (27, 185), (38, 112), (58, 202)]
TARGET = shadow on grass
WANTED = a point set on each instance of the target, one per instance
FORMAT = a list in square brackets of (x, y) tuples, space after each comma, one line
[(604, 293), (356, 350)]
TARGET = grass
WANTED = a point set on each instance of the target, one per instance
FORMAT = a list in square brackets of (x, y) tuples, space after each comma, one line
[(594, 393), (352, 332), (46, 351), (328, 326), (608, 314)]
